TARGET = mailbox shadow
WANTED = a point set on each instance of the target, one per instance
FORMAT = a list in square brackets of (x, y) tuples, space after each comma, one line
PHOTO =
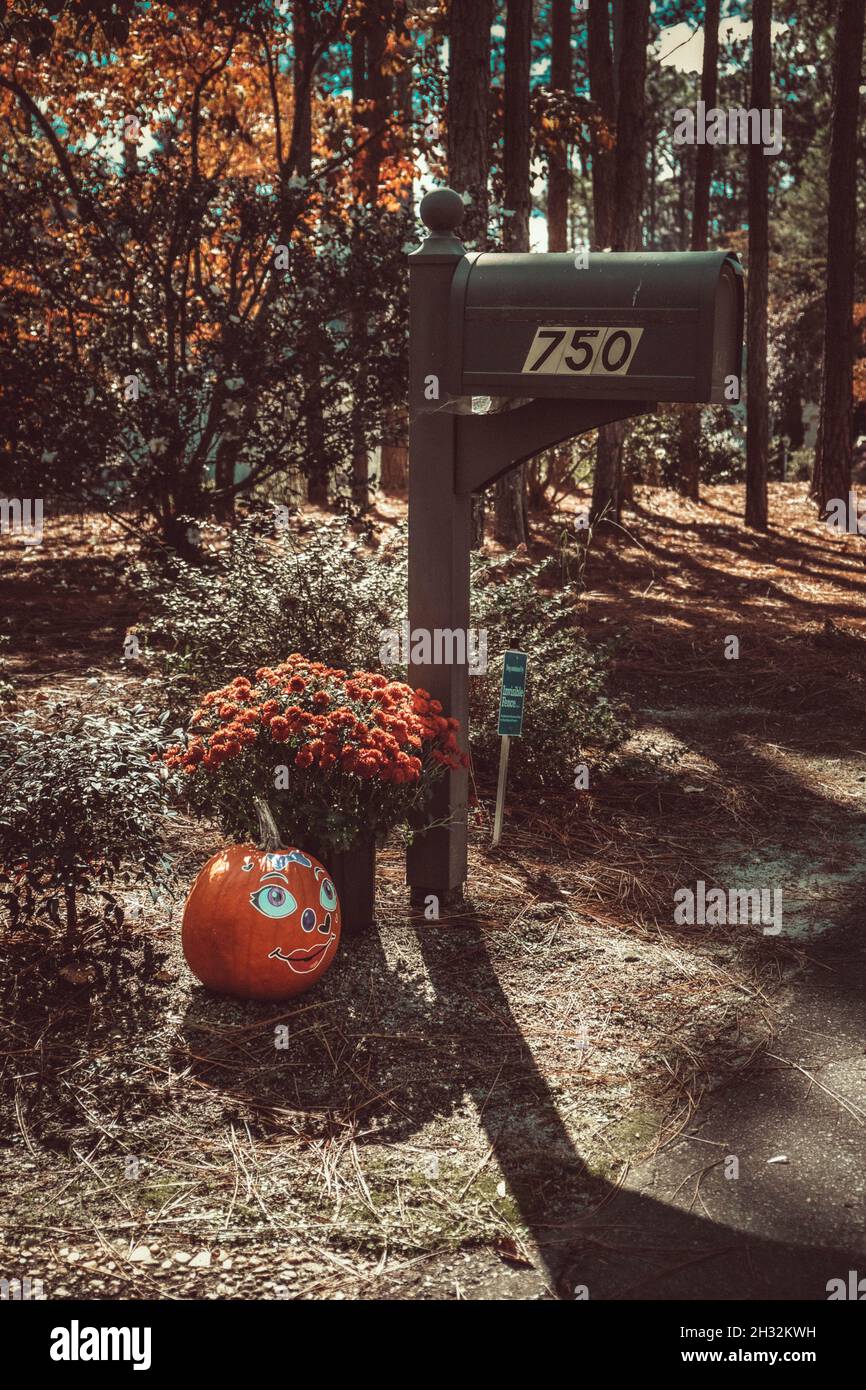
[(619, 1244), (354, 1057), (380, 1050)]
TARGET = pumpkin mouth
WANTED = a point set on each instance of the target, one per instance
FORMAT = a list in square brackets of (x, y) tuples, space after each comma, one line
[(304, 959)]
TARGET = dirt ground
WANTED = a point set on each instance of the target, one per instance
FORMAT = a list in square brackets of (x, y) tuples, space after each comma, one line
[(539, 1097)]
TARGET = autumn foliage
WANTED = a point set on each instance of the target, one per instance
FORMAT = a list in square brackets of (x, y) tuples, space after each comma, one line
[(183, 252)]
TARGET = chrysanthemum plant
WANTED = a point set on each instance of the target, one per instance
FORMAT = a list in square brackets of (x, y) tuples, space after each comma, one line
[(337, 757)]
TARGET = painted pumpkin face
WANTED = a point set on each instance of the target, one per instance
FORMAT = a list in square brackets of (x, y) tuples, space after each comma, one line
[(261, 924)]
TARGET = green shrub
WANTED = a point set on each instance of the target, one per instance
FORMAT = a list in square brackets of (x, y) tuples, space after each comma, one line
[(569, 710), (266, 596), (651, 449), (331, 596), (81, 798), (800, 465)]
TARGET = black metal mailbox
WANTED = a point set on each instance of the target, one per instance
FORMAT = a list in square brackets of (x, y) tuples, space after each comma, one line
[(664, 326)]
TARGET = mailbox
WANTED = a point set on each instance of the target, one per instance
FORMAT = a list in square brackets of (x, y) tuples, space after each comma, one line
[(571, 347), (636, 326)]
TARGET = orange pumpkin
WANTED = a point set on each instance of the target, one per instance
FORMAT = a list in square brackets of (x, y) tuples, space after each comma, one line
[(261, 924)]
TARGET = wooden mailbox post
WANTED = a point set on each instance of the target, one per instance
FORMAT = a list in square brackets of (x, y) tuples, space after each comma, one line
[(575, 346)]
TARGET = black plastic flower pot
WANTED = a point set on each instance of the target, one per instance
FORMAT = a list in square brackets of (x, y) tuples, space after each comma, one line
[(354, 874)]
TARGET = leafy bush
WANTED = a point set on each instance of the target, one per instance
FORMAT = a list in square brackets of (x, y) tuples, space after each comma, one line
[(800, 465), (264, 597), (332, 596), (81, 797), (569, 710), (335, 757), (652, 445)]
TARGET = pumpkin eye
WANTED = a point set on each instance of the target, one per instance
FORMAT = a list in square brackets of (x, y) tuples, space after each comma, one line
[(308, 919), (328, 895), (273, 901)]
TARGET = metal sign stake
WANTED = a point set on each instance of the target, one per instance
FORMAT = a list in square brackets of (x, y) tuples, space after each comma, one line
[(500, 789)]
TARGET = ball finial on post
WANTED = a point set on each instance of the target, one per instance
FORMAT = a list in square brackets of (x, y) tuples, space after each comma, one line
[(442, 211)]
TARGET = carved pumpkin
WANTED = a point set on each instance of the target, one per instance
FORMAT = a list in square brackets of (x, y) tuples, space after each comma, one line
[(261, 924)]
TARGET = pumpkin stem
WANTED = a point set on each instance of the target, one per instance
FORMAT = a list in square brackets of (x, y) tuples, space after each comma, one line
[(269, 835)]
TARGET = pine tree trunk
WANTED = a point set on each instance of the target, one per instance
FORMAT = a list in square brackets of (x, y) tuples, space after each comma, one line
[(468, 139), (631, 127), (629, 74), (558, 176), (792, 415), (607, 482), (224, 477), (833, 459), (394, 462), (360, 484), (510, 507), (468, 142), (606, 501), (704, 157), (601, 89), (516, 141), (689, 461), (316, 465), (690, 421), (682, 183), (394, 459), (653, 134), (757, 404)]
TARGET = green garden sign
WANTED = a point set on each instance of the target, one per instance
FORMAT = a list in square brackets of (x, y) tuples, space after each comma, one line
[(563, 345), (512, 694)]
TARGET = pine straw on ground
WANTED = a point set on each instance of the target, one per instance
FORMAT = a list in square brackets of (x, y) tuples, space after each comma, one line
[(452, 1098)]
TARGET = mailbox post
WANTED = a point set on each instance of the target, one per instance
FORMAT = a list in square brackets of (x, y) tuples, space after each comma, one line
[(439, 534), (573, 349)]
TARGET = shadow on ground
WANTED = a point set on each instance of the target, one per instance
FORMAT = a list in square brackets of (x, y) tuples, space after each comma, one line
[(585, 1231)]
